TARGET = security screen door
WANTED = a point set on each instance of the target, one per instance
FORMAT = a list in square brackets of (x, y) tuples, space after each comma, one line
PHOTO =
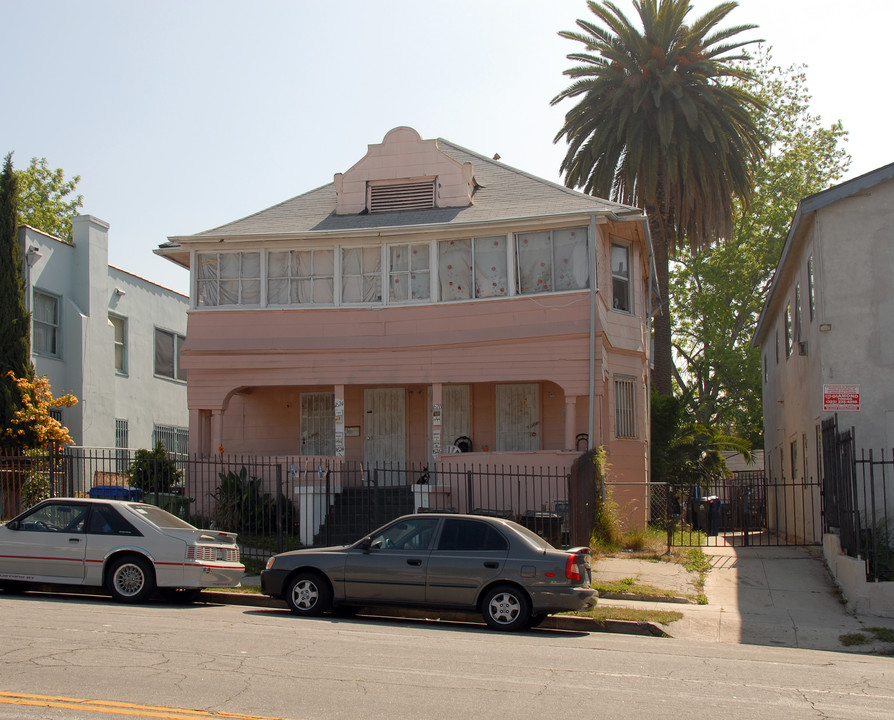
[(385, 436)]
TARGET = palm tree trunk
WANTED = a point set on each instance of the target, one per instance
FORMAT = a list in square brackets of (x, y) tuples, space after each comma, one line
[(662, 358)]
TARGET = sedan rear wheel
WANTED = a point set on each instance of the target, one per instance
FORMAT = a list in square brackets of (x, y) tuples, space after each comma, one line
[(308, 594), (506, 607), (131, 580)]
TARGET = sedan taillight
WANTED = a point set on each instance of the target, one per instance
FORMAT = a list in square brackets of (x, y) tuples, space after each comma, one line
[(572, 572)]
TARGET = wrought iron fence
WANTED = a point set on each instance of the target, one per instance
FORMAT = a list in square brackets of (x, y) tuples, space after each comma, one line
[(747, 509), (857, 488), (277, 503)]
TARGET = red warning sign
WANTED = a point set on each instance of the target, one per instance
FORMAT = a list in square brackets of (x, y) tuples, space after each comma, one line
[(841, 398)]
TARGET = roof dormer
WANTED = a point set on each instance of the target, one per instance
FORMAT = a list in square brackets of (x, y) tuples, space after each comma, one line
[(403, 172)]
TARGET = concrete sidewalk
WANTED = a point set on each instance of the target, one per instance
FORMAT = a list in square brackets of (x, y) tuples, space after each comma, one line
[(779, 596)]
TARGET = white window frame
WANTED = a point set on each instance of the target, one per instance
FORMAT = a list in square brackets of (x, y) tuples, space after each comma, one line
[(622, 285), (625, 407), (409, 265), (174, 439), (177, 341), (321, 284), (119, 341), (371, 279), (558, 272), (239, 288), (51, 326)]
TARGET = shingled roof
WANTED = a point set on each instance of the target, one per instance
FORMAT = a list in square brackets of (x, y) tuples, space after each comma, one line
[(502, 193)]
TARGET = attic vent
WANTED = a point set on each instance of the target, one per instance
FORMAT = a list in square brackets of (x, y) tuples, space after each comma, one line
[(406, 196)]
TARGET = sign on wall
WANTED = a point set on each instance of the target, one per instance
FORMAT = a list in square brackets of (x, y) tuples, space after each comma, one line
[(841, 398)]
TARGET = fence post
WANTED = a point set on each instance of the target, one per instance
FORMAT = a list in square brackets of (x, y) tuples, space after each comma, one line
[(279, 507)]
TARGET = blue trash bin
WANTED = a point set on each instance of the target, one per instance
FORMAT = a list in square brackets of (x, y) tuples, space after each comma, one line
[(116, 492)]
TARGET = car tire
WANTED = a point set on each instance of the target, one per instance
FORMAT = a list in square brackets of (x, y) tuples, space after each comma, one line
[(308, 594), (131, 579), (180, 596), (537, 619), (506, 607)]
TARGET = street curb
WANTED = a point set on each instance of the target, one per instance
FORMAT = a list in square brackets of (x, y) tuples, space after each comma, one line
[(553, 622)]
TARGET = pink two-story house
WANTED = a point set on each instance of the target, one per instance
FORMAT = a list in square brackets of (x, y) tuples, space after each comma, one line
[(428, 300)]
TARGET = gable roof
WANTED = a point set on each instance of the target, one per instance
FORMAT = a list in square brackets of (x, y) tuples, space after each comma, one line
[(805, 211), (502, 193)]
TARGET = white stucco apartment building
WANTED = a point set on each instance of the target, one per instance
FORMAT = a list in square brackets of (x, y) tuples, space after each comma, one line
[(107, 336)]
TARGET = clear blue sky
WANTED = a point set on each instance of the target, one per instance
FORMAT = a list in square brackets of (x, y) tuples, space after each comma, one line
[(182, 115)]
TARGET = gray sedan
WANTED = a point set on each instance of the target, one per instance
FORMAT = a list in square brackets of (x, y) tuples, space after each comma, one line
[(512, 576)]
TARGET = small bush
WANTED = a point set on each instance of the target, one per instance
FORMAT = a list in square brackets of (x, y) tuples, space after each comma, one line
[(153, 471)]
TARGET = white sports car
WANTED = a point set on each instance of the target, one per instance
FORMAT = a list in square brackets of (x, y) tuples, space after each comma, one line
[(128, 548)]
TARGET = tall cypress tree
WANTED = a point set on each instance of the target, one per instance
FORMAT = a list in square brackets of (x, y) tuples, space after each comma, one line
[(15, 346)]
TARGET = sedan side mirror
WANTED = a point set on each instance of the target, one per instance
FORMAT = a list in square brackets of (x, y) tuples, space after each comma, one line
[(13, 525), (366, 543)]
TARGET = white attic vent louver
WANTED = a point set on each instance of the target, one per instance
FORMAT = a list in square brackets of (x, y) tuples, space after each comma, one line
[(405, 196)]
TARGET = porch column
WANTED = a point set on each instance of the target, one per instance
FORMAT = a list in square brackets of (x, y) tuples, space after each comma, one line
[(570, 422), (216, 431), (339, 421), (436, 399)]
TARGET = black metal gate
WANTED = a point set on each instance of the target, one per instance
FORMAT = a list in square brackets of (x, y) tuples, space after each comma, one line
[(747, 510)]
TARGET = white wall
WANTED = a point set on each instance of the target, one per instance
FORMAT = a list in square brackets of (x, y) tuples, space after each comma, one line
[(80, 276)]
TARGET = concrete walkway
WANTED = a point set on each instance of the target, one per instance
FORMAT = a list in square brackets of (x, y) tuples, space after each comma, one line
[(780, 596)]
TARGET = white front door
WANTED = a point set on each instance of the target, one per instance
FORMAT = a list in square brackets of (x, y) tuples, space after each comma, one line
[(384, 427)]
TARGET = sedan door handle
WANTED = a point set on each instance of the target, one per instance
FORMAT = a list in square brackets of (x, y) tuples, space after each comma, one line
[(491, 564), (74, 539), (414, 562)]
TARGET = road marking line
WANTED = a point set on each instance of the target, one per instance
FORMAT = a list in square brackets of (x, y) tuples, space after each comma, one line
[(112, 707)]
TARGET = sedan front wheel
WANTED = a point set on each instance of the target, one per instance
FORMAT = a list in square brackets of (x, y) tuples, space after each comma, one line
[(506, 607), (308, 594)]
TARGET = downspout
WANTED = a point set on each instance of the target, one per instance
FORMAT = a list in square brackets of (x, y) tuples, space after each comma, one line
[(591, 407)]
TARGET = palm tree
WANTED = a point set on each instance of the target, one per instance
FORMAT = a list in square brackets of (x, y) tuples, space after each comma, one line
[(656, 127)]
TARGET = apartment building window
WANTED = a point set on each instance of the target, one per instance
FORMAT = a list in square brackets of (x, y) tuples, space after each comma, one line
[(766, 370), (625, 407), (788, 331), (301, 277), (409, 272), (552, 261), (798, 323), (477, 268), (621, 278), (811, 289), (174, 439), (119, 326), (318, 423), (361, 275), (167, 354), (229, 278), (46, 324), (122, 461)]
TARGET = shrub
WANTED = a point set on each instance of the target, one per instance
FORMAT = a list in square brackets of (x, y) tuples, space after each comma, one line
[(153, 471)]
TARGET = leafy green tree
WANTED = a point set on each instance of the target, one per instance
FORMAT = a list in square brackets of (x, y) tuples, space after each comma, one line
[(45, 199), (15, 338), (697, 455), (663, 123), (717, 296)]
